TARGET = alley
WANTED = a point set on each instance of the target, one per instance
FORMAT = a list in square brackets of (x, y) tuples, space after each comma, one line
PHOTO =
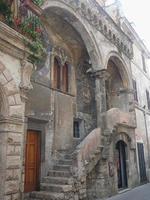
[(139, 193)]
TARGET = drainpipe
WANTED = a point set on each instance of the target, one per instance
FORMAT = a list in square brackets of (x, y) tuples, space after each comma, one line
[(147, 138)]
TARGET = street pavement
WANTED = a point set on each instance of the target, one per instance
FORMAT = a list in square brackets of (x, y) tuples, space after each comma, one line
[(139, 193)]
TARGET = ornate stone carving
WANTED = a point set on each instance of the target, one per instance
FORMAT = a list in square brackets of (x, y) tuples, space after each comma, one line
[(26, 72), (99, 19), (101, 74), (62, 54)]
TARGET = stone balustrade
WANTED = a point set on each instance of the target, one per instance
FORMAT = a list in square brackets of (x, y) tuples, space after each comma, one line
[(115, 116), (86, 152)]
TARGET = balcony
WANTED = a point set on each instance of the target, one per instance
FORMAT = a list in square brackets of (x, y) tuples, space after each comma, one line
[(115, 117), (21, 24)]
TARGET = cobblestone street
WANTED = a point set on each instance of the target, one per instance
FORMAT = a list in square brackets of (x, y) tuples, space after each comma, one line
[(139, 193)]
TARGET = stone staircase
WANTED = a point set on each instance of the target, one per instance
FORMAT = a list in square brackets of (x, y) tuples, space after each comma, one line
[(67, 179), (57, 185)]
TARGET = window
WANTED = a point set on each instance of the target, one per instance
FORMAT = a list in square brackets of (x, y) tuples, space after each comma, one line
[(61, 76), (57, 74), (144, 64), (135, 90), (148, 99), (76, 129), (65, 77)]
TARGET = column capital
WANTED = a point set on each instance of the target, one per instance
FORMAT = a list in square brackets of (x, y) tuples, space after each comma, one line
[(101, 74)]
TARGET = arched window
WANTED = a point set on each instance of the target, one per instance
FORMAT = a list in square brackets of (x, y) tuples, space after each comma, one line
[(57, 74), (65, 77)]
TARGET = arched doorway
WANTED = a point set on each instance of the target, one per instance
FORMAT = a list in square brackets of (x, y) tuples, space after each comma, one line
[(121, 164), (117, 85)]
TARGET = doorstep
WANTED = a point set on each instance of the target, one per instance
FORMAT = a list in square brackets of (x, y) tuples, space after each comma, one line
[(124, 190)]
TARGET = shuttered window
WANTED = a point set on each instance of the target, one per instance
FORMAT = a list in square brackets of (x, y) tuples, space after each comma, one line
[(65, 77), (57, 74), (148, 99), (61, 76), (135, 90)]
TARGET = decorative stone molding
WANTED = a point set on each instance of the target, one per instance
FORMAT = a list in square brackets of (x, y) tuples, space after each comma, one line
[(102, 22), (26, 72), (101, 74), (61, 54), (11, 42)]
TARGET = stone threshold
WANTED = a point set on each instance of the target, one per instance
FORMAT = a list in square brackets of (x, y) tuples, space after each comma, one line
[(124, 190)]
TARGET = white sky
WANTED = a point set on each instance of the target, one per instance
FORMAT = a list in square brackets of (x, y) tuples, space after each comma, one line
[(138, 12)]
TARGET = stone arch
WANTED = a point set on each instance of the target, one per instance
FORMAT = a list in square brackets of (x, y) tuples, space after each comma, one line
[(122, 137), (10, 96), (75, 19), (122, 67)]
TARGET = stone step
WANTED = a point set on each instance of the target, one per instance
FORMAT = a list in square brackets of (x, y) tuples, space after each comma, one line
[(56, 180), (55, 187), (43, 195), (68, 156), (65, 161), (57, 173), (62, 167)]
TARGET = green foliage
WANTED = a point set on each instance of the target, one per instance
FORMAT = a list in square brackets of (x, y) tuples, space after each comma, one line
[(5, 11), (31, 28), (37, 50), (38, 2)]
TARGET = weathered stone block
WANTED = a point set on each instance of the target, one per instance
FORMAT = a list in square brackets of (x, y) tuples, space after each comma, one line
[(10, 149), (18, 149), (7, 75), (11, 187), (11, 100), (2, 67), (15, 197), (7, 197), (11, 88), (14, 138), (9, 175), (17, 99), (13, 161), (17, 110), (16, 174), (3, 80)]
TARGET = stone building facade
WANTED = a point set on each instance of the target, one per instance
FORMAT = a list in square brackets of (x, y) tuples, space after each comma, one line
[(76, 125)]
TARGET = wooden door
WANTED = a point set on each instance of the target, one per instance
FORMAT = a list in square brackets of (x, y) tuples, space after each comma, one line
[(32, 161), (122, 169)]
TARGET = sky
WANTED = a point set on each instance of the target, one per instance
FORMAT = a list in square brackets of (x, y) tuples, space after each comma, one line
[(138, 12)]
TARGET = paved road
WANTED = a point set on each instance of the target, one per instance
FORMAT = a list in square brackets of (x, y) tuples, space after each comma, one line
[(139, 193)]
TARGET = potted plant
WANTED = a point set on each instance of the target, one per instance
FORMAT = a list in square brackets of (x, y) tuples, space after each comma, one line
[(32, 29)]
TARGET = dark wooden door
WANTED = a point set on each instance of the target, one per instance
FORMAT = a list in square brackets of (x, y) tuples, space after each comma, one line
[(32, 161), (142, 167), (121, 170)]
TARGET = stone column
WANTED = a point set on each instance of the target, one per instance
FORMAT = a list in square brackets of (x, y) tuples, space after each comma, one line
[(100, 94), (10, 157)]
